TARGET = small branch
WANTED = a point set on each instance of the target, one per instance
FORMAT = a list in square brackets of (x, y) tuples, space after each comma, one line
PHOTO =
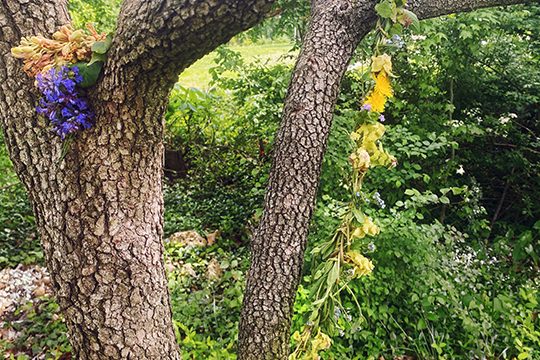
[(501, 202)]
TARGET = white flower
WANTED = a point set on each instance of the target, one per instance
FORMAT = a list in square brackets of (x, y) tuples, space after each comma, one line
[(504, 119), (512, 116), (460, 170), (418, 37)]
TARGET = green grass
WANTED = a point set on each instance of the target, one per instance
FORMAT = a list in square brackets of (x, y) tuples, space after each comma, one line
[(197, 74)]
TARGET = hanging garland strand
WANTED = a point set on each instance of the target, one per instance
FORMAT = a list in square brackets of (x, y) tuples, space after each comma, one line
[(340, 260)]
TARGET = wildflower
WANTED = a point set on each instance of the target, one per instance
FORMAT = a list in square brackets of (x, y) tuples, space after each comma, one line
[(504, 119), (67, 46), (376, 101), (320, 342), (372, 247), (383, 85), (382, 118), (61, 103), (362, 266), (370, 228), (460, 170), (379, 200), (366, 107), (337, 313), (367, 228)]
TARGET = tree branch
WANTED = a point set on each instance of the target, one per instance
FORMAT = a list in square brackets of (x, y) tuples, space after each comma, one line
[(425, 9), (166, 36)]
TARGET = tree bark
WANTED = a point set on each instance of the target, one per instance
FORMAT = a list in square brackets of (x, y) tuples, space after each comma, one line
[(278, 245), (99, 211), (277, 250)]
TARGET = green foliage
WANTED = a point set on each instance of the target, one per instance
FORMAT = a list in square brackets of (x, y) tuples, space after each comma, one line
[(40, 332), (206, 308), (102, 13), (435, 294), (18, 239), (225, 136)]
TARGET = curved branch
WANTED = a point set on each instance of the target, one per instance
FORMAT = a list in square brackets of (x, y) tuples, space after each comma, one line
[(425, 9), (166, 36)]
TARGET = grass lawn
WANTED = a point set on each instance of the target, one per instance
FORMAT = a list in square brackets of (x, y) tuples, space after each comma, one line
[(197, 74)]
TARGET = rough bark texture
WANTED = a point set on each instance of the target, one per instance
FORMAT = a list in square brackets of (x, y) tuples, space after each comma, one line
[(278, 245), (100, 210)]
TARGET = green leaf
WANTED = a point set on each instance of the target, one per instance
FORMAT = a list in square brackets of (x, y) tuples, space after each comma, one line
[(333, 275), (89, 73), (386, 9), (101, 47), (97, 58), (444, 200)]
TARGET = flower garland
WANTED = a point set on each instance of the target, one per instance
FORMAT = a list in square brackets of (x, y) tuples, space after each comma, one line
[(340, 260), (63, 67)]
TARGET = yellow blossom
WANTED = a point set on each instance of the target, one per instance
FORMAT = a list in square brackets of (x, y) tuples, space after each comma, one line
[(320, 342), (360, 159), (369, 227), (355, 136), (362, 266), (377, 101), (383, 85), (359, 233)]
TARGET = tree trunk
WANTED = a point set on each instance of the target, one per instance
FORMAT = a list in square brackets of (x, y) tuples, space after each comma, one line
[(278, 245), (98, 211), (277, 249)]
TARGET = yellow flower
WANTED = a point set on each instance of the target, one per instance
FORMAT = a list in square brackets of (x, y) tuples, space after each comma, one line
[(377, 101), (380, 63), (355, 136), (320, 342), (383, 85), (359, 233), (370, 228), (362, 265)]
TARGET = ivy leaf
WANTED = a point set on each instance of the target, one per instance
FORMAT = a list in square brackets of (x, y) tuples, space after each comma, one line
[(89, 73)]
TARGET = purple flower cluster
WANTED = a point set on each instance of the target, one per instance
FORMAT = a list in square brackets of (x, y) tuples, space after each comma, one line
[(61, 103)]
